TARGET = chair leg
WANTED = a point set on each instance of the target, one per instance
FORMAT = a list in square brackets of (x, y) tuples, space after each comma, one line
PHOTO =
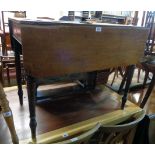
[(120, 69), (130, 72), (141, 97), (7, 113), (31, 89), (145, 78), (123, 81), (114, 77), (1, 75), (8, 75), (138, 75)]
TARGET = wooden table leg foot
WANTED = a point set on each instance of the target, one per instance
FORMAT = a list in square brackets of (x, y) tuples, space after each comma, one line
[(15, 139), (20, 94), (33, 125)]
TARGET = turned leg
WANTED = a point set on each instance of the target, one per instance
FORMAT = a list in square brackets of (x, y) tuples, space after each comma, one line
[(7, 113), (130, 71), (3, 45), (31, 89), (8, 75), (114, 77), (120, 69), (138, 77), (1, 75), (149, 90), (18, 72), (123, 81)]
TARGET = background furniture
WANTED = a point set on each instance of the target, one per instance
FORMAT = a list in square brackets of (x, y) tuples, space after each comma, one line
[(8, 69), (5, 28), (148, 61), (7, 114), (149, 65), (114, 19)]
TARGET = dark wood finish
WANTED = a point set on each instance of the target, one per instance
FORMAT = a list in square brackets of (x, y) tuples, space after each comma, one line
[(148, 17), (2, 40), (31, 89), (17, 49), (15, 30), (130, 71), (58, 47), (149, 91), (123, 81), (127, 78), (150, 68), (91, 53)]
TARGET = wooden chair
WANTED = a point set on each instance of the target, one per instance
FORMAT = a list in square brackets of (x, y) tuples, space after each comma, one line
[(122, 133), (85, 15), (6, 35), (147, 21), (71, 15), (1, 39), (148, 64), (6, 61), (7, 114), (8, 67), (7, 42), (148, 61), (83, 138)]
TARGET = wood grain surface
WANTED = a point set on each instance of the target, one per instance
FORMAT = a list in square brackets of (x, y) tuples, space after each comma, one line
[(74, 113), (61, 49)]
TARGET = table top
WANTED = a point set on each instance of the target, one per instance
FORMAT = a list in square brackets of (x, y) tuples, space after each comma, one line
[(76, 47), (47, 22)]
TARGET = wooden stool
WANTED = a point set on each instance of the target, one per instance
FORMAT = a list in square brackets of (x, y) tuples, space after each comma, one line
[(7, 113)]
